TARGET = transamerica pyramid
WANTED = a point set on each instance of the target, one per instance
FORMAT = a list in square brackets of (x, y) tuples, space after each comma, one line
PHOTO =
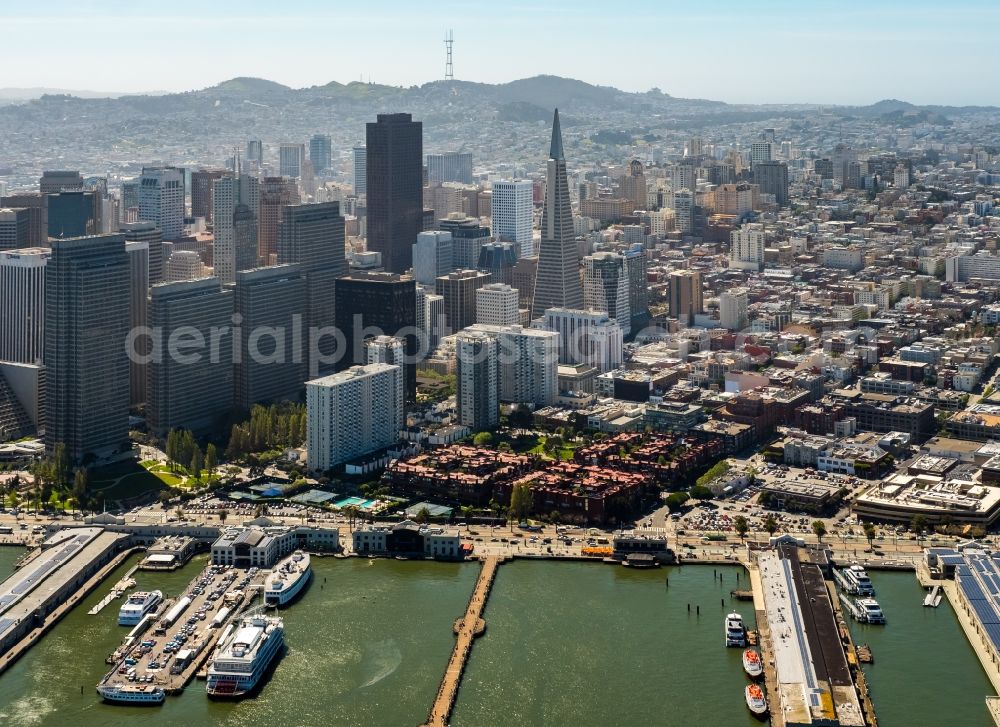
[(557, 283)]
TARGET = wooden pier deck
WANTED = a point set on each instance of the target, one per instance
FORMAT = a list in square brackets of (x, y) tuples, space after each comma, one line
[(467, 629), (117, 591)]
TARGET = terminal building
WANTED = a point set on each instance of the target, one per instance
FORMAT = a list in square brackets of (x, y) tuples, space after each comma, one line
[(408, 539), (262, 546)]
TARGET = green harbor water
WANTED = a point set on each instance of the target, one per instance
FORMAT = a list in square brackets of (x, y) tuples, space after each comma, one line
[(925, 673), (8, 556), (567, 643), (591, 644)]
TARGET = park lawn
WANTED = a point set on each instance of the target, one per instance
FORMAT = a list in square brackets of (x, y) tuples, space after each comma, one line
[(125, 480), (148, 463), (169, 479)]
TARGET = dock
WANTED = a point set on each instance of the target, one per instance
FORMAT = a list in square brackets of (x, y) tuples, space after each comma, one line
[(933, 599), (193, 623), (117, 591), (467, 629)]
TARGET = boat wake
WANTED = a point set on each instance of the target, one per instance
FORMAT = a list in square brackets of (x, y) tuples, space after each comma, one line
[(27, 711), (381, 660)]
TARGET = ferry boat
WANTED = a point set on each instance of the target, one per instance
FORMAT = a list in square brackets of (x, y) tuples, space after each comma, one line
[(736, 634), (131, 693), (859, 581), (755, 700), (752, 664), (288, 579), (869, 610), (138, 605), (242, 659)]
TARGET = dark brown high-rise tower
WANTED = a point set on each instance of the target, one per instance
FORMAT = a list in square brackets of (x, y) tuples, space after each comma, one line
[(395, 188)]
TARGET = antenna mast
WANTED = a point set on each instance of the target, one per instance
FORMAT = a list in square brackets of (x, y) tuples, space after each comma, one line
[(449, 68)]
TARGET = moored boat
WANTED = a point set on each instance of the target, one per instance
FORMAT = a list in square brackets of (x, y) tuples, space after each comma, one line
[(131, 693), (244, 656), (138, 605), (287, 579), (756, 702), (736, 634), (752, 664)]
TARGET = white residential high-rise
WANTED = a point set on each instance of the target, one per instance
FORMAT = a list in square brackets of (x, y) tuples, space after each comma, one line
[(760, 151), (684, 176), (733, 309), (360, 170), (161, 199), (431, 319), (901, 177), (432, 256), (353, 413), (605, 286), (585, 336), (22, 300), (528, 363), (477, 367), (747, 249), (496, 305), (385, 349), (513, 215)]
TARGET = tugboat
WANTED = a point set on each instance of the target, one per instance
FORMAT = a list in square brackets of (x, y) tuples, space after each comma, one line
[(752, 664), (755, 701), (736, 634)]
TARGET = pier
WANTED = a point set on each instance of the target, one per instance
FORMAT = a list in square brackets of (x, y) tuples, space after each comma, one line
[(467, 628), (117, 591)]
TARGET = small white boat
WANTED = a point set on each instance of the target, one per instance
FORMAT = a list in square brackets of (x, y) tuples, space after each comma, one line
[(870, 612), (288, 579), (756, 702), (736, 634), (752, 664), (131, 694), (137, 606)]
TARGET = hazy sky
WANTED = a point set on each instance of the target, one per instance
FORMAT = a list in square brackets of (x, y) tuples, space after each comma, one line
[(851, 51)]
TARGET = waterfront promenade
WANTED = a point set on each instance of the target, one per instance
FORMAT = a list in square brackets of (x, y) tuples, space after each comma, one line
[(466, 629)]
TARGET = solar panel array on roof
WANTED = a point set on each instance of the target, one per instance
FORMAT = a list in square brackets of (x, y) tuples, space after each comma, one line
[(979, 579), (28, 579)]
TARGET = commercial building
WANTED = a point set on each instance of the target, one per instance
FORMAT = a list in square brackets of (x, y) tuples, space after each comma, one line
[(55, 181), (747, 249), (312, 237), (73, 213), (498, 259), (394, 168), (181, 393), (22, 300), (589, 337), (686, 296), (557, 284), (319, 152), (408, 539), (459, 292), (375, 304), (202, 188), (86, 322), (353, 413), (262, 547), (453, 166), (138, 259), (467, 240), (236, 203), (606, 287), (360, 170), (733, 309), (275, 194), (148, 233), (478, 395), (513, 214), (496, 305), (15, 228), (270, 365), (432, 256), (291, 158), (161, 199), (38, 216), (772, 178)]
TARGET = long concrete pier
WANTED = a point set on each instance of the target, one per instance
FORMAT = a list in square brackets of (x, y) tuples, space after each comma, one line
[(467, 629)]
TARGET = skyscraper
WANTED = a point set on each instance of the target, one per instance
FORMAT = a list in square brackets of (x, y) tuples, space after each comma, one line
[(235, 202), (605, 287), (138, 310), (528, 368), (772, 178), (190, 395), (161, 199), (360, 170), (432, 256), (255, 151), (275, 193), (496, 305), (557, 284), (394, 189), (453, 166), (52, 182), (319, 152), (685, 295), (478, 391), (376, 303), (467, 239), (15, 227), (312, 236), (73, 213), (498, 259), (513, 214), (585, 336), (38, 220), (290, 159), (270, 365), (86, 323), (638, 286), (733, 309), (150, 234), (747, 247), (22, 300), (202, 183)]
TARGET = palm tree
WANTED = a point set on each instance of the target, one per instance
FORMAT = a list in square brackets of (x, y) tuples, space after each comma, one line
[(869, 533), (466, 513)]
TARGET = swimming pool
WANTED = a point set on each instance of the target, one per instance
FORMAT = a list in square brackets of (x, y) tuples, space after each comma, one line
[(358, 502)]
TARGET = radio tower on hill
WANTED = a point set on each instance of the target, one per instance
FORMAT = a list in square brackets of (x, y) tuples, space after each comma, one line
[(449, 68)]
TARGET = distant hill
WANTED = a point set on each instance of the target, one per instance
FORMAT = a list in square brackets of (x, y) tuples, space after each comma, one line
[(26, 94)]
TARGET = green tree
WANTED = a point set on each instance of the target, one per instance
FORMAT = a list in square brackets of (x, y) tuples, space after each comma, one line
[(770, 525), (423, 516), (80, 485), (741, 525), (819, 529), (700, 492), (521, 501), (223, 514), (676, 500), (211, 459), (196, 462), (466, 515), (869, 530), (918, 524), (483, 439)]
